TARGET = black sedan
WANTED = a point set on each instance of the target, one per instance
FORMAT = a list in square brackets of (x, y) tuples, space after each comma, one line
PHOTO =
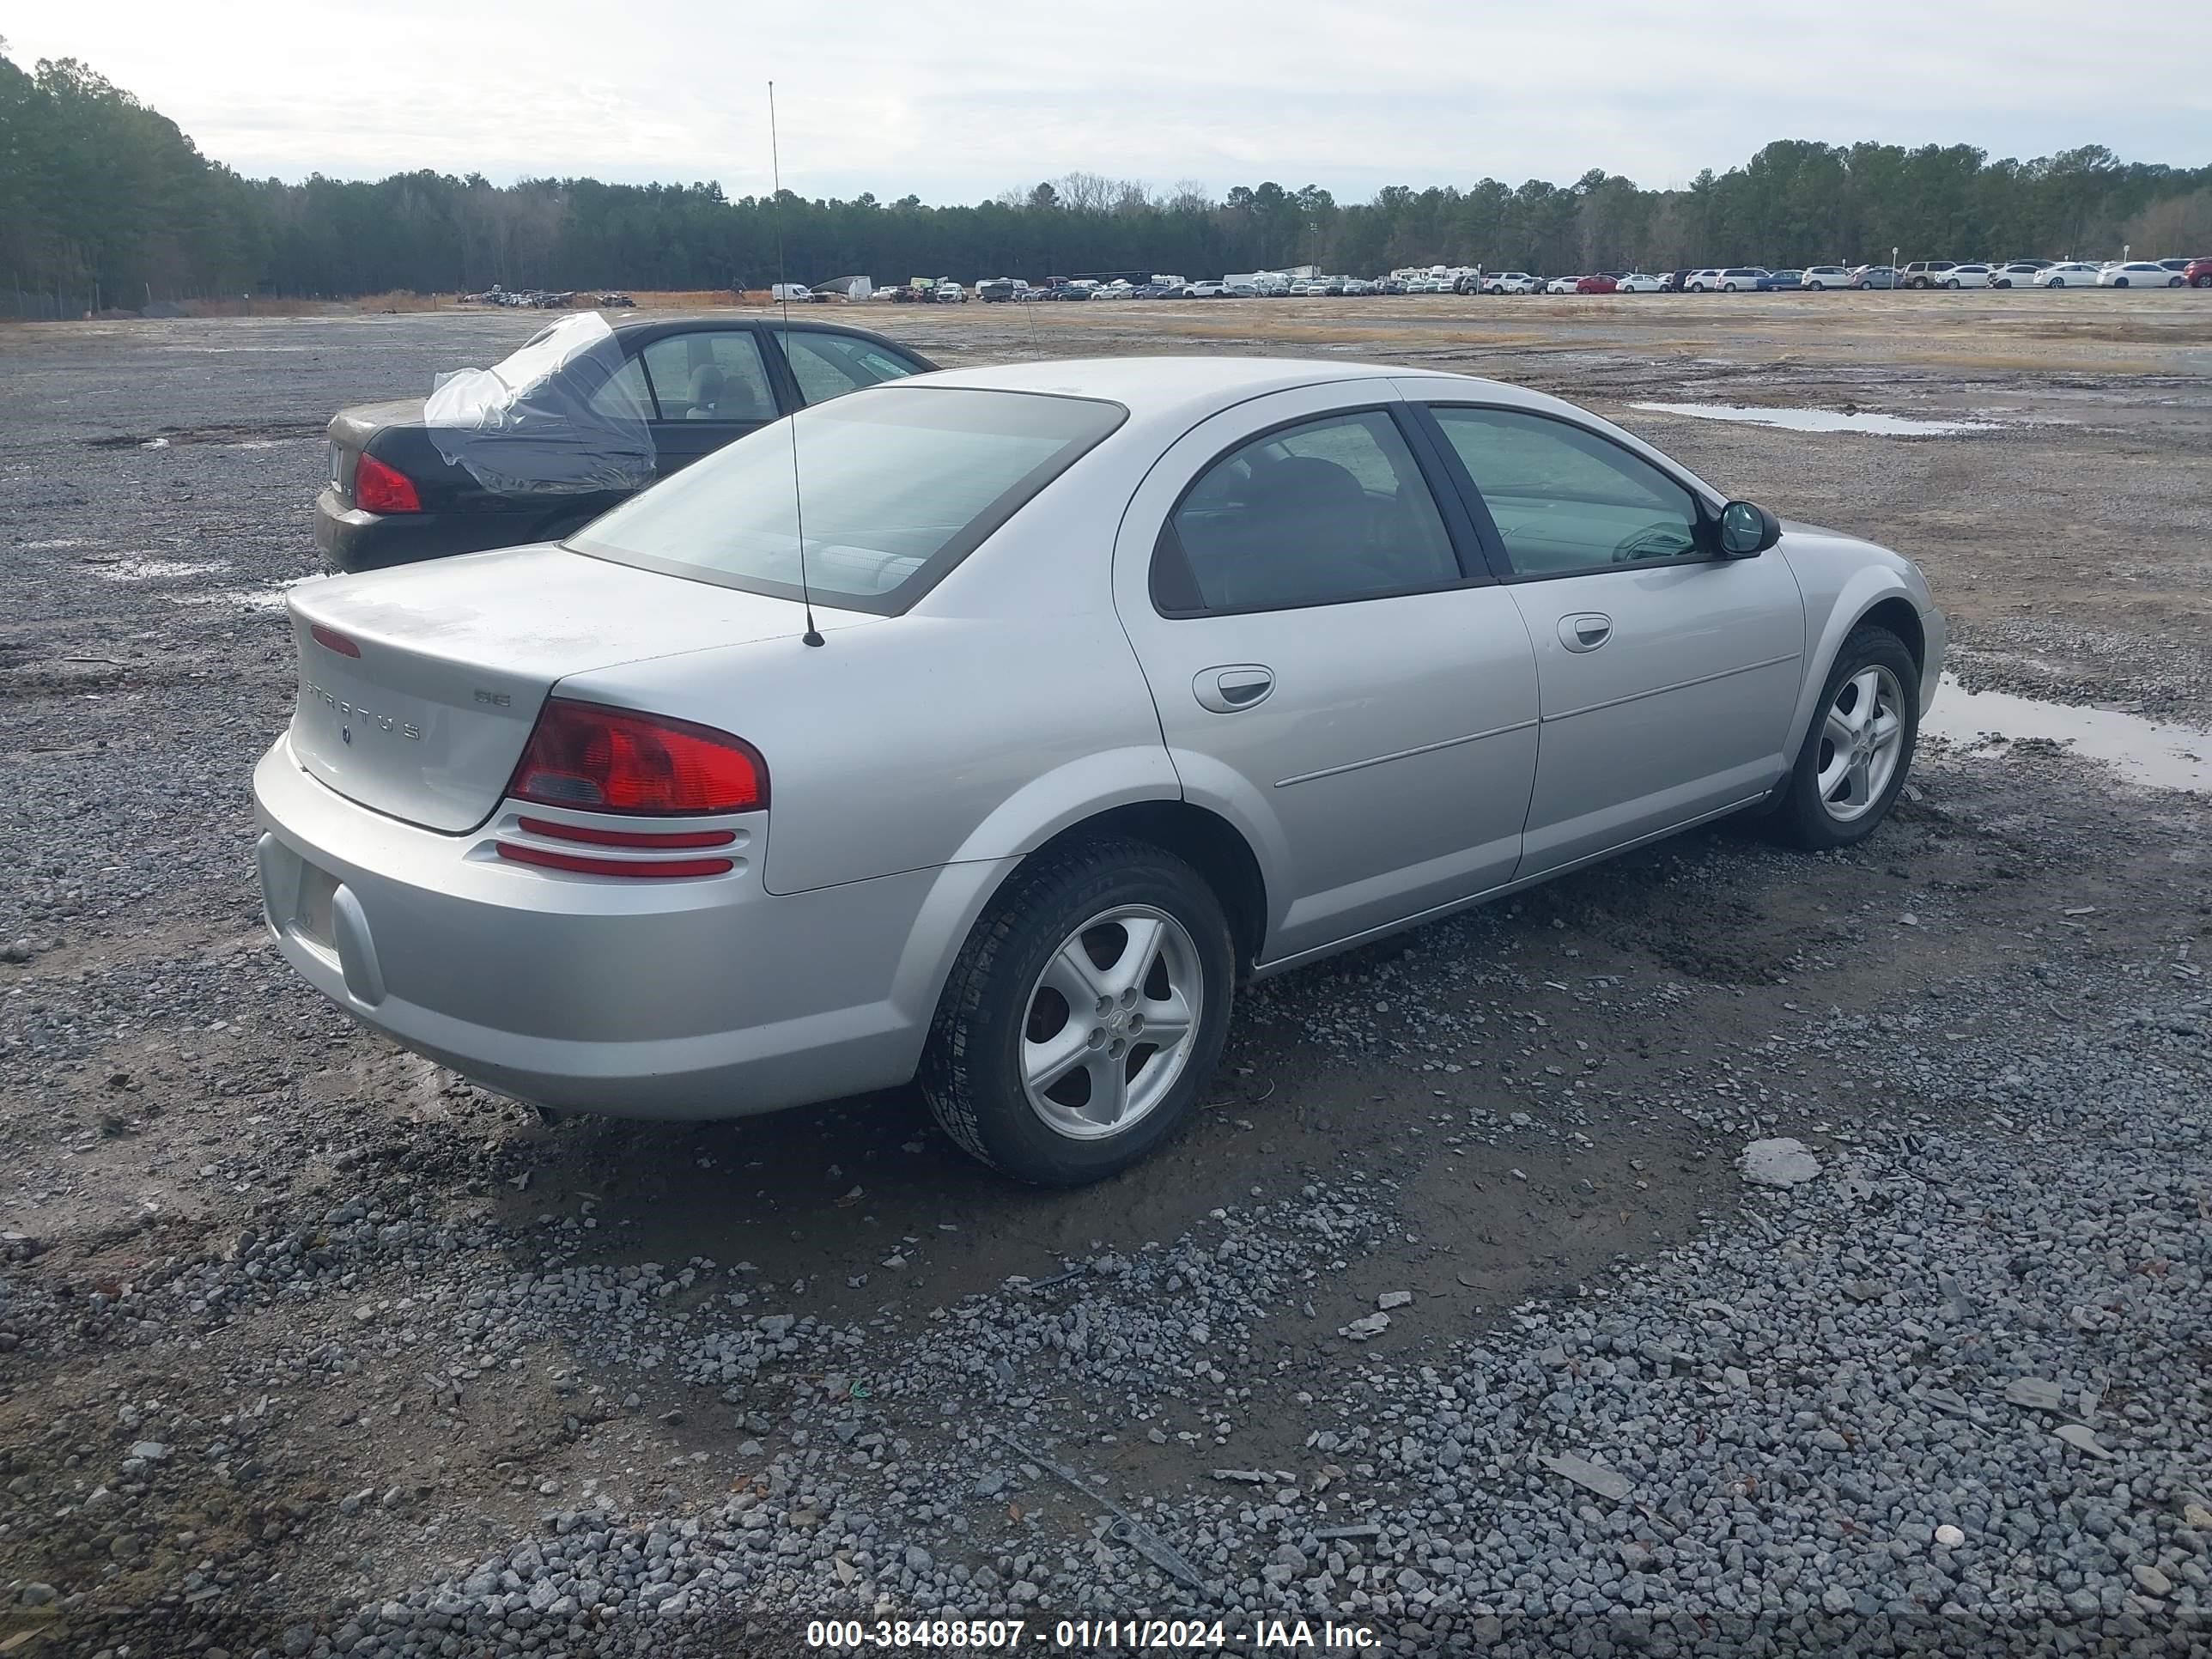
[(580, 417)]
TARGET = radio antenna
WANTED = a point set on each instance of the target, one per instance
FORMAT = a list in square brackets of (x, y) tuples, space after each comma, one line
[(813, 634)]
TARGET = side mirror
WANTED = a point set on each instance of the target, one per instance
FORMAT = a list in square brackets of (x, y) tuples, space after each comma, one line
[(1747, 530)]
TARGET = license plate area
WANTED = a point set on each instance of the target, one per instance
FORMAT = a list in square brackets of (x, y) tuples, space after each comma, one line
[(311, 913)]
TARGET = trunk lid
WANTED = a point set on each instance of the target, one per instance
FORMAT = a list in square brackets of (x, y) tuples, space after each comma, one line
[(350, 431), (458, 655)]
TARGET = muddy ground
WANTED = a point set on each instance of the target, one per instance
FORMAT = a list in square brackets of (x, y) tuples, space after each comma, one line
[(171, 1097)]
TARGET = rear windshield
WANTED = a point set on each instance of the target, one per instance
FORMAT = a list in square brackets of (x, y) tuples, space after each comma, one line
[(897, 484)]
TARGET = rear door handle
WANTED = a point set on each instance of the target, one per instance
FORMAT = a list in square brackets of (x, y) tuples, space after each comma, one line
[(1586, 631), (1238, 686)]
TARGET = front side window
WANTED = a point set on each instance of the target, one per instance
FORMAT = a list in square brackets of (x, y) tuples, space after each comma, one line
[(895, 488), (717, 376), (1565, 499), (1331, 510), (829, 366)]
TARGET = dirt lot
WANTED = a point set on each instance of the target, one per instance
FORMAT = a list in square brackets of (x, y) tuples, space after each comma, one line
[(307, 1346)]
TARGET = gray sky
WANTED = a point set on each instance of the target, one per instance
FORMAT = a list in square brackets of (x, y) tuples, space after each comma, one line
[(955, 103)]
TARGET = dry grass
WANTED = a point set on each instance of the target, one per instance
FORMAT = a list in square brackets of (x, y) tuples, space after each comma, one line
[(259, 306), (402, 299)]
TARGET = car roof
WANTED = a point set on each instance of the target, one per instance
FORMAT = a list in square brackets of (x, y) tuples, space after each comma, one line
[(1150, 385)]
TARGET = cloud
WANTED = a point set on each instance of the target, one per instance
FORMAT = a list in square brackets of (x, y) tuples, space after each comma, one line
[(956, 105)]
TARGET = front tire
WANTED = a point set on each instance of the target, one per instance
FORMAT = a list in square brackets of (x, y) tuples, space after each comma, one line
[(2204, 281), (1954, 282), (1047, 1059), (2056, 282), (1856, 756)]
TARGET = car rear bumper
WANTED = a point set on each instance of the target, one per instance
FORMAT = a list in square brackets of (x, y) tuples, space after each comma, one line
[(351, 540), (702, 997)]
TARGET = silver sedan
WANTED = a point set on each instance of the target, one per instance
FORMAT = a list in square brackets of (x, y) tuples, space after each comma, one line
[(1123, 683)]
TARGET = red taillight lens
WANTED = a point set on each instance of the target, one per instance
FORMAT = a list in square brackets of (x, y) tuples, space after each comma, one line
[(633, 869), (378, 488), (649, 839), (611, 760), (330, 640)]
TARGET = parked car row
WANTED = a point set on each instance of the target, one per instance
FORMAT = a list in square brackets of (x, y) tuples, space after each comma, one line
[(546, 298), (1711, 279), (2054, 273)]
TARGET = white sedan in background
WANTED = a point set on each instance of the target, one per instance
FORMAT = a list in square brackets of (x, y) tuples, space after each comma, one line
[(1562, 285), (1638, 281), (1510, 281), (1817, 277), (2138, 273), (2071, 273), (1968, 275)]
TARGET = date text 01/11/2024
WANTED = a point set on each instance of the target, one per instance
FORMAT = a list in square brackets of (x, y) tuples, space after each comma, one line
[(852, 1635)]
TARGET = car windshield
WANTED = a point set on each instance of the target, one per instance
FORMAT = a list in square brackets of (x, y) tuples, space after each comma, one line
[(896, 484)]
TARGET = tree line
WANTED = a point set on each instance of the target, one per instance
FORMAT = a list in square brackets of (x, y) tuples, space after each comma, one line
[(105, 202)]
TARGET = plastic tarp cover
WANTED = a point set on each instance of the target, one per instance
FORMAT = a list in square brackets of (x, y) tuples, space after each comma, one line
[(549, 418)]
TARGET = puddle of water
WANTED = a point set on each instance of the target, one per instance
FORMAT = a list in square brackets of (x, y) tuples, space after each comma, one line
[(152, 570), (65, 541), (1822, 420), (2144, 751)]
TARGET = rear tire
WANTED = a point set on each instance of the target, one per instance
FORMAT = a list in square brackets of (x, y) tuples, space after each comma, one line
[(2204, 281), (1002, 1014), (1885, 685)]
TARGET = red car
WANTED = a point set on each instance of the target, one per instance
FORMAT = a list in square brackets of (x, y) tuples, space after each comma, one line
[(2197, 273), (1598, 284)]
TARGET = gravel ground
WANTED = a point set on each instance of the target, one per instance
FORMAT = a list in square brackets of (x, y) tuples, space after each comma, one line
[(1458, 1317)]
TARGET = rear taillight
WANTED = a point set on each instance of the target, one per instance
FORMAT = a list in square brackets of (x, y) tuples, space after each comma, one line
[(634, 869), (611, 760), (379, 488), (330, 640)]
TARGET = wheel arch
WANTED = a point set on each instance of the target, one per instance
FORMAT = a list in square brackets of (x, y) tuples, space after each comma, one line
[(1206, 842), (1873, 595), (965, 890)]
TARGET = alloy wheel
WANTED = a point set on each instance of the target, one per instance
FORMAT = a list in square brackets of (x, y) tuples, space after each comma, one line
[(1111, 1022), (1862, 738)]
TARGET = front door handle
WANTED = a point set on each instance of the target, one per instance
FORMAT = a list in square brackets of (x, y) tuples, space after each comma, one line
[(1239, 686), (1586, 631)]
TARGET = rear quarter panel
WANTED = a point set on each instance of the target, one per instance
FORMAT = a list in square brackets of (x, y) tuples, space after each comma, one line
[(1005, 707)]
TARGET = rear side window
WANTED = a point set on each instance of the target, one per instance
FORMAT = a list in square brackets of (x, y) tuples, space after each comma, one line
[(897, 486), (1567, 500), (717, 376), (623, 394), (829, 366), (1318, 514)]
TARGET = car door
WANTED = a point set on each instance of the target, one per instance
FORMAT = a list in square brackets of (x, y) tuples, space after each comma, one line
[(710, 387), (1336, 671), (1666, 672)]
